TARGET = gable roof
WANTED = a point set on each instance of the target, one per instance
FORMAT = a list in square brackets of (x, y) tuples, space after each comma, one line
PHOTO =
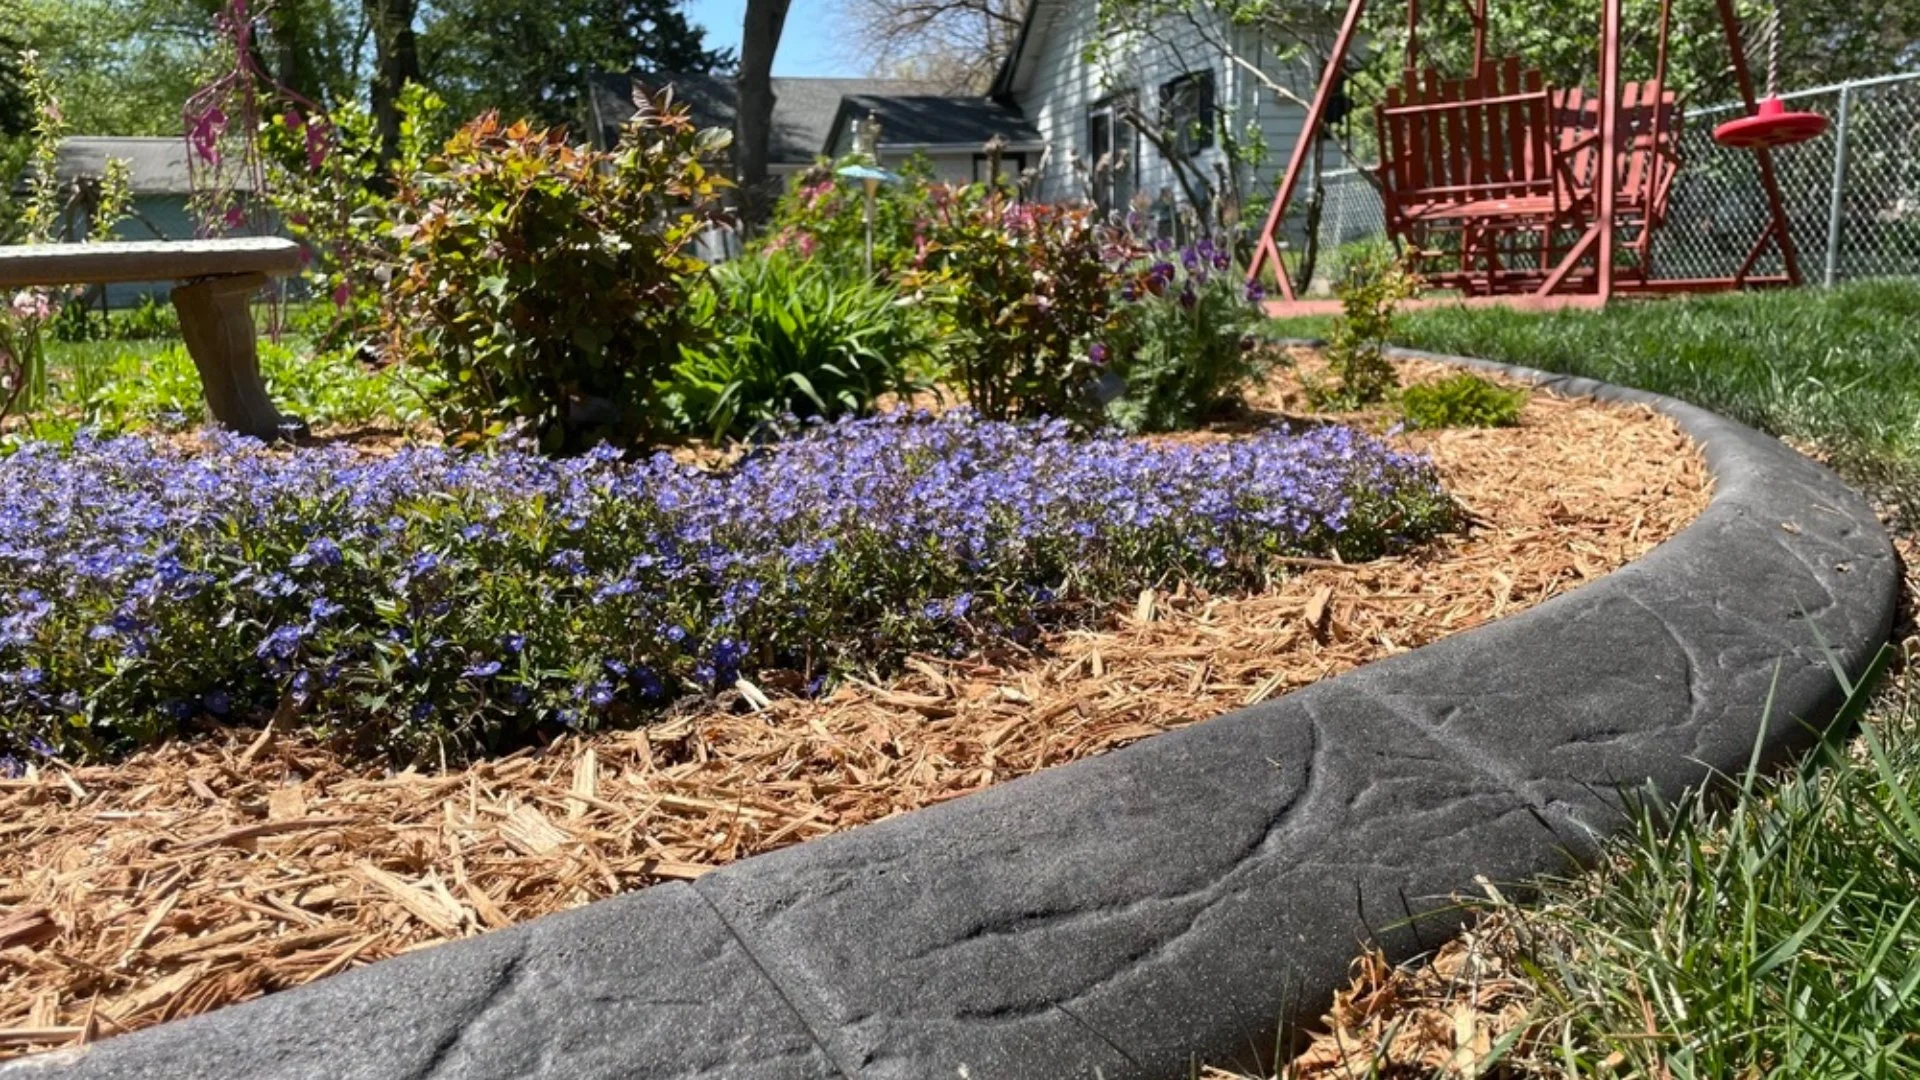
[(803, 109), (1033, 30), (924, 121)]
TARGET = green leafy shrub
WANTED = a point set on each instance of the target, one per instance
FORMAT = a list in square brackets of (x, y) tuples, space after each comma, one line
[(1463, 400), (150, 319), (792, 337), (549, 284), (822, 217), (332, 192), (1030, 291), (1370, 293), (1186, 345)]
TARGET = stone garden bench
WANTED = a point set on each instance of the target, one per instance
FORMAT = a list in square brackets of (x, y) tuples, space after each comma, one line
[(217, 279)]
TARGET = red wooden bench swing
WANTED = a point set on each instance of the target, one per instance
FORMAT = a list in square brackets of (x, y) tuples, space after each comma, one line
[(1507, 190)]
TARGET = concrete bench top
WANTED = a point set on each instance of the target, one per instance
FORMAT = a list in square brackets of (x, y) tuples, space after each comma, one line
[(182, 260)]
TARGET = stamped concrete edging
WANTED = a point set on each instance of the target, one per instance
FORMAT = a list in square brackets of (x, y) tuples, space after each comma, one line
[(1174, 901)]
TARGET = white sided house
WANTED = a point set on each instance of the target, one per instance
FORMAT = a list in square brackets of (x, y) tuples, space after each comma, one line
[(1187, 72)]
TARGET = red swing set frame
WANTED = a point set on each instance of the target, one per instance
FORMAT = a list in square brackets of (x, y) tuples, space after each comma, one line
[(1475, 172)]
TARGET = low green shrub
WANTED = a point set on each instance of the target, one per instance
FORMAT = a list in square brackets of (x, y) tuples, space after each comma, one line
[(435, 601), (1463, 400), (149, 320), (1031, 292), (120, 386), (549, 284), (1370, 293), (1186, 344), (793, 338)]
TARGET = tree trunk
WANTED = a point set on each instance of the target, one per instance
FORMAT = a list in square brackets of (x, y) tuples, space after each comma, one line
[(753, 116), (396, 63)]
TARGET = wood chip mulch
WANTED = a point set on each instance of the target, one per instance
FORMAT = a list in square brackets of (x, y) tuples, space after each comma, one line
[(203, 873)]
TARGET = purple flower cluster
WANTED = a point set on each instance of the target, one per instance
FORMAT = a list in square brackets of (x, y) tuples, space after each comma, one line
[(483, 599)]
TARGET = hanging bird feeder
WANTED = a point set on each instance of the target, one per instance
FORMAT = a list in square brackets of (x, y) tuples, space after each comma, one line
[(1772, 124)]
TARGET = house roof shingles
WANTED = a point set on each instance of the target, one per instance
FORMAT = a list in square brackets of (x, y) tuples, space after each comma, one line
[(924, 120), (804, 110)]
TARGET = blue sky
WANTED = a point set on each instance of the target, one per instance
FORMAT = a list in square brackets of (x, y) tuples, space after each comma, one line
[(808, 45)]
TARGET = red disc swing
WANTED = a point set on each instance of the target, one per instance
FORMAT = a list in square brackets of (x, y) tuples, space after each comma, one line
[(1772, 124)]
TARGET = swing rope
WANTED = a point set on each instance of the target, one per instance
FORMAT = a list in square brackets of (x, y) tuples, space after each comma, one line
[(1773, 50)]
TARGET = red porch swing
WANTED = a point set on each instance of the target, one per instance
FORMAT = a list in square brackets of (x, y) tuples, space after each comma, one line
[(1500, 186)]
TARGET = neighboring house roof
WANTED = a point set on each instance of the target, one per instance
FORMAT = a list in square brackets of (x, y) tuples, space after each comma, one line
[(803, 110), (926, 121), (158, 164)]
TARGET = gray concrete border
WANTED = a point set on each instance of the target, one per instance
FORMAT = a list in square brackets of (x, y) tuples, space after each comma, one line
[(1178, 900)]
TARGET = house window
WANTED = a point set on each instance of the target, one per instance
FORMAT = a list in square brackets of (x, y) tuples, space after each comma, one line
[(1111, 152), (1012, 168), (1186, 112)]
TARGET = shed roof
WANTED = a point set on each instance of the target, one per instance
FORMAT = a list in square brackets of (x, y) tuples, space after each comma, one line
[(157, 164)]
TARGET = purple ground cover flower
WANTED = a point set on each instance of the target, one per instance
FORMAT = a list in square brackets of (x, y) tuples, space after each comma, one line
[(491, 597)]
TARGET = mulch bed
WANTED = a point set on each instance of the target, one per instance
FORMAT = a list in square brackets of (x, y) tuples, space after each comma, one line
[(203, 873)]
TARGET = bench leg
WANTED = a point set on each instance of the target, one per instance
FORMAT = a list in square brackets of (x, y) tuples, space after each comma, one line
[(217, 324)]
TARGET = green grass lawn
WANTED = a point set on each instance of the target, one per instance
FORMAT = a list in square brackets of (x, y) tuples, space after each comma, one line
[(118, 386), (1838, 369), (1777, 932)]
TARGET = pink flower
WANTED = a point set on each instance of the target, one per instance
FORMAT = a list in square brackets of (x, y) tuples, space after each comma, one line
[(236, 217), (32, 305), (316, 143), (806, 245), (203, 134), (341, 294)]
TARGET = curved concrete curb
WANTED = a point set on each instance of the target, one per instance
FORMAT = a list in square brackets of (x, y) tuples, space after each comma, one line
[(1129, 914)]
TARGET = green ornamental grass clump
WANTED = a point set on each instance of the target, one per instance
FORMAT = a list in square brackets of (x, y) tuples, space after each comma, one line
[(1463, 400), (793, 338)]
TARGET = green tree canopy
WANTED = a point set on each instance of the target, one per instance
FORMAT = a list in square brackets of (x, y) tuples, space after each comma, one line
[(532, 57)]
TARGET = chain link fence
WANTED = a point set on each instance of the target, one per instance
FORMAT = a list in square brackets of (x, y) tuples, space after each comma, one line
[(1852, 195)]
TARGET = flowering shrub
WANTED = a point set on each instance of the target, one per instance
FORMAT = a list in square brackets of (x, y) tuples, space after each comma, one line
[(822, 217), (441, 597), (24, 320), (549, 282), (793, 337), (1187, 344), (1029, 290), (331, 190)]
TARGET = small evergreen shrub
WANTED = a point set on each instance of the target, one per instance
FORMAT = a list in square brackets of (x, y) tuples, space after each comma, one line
[(793, 338), (1463, 400)]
